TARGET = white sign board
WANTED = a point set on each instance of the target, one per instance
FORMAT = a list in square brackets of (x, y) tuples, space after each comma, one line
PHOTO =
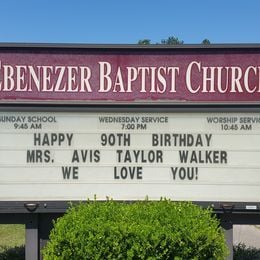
[(129, 156)]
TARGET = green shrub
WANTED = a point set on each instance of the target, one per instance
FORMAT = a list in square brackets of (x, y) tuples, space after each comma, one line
[(242, 252), (140, 230), (15, 253)]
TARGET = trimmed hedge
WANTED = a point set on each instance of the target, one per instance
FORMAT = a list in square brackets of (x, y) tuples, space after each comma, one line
[(140, 230)]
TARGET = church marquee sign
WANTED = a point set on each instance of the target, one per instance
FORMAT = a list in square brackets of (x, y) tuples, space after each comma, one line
[(80, 122)]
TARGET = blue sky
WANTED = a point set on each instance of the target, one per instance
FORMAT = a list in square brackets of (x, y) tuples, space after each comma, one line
[(127, 21)]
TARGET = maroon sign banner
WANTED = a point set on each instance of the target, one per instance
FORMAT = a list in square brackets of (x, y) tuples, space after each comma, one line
[(129, 74)]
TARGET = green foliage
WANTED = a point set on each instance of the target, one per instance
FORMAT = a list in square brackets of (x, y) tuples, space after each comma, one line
[(140, 230), (206, 41), (172, 40), (144, 42), (15, 253), (242, 252)]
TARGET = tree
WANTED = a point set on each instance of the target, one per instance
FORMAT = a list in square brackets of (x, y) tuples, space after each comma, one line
[(205, 41), (144, 42), (172, 40)]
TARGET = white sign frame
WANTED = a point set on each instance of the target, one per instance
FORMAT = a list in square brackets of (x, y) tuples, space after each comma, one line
[(201, 195)]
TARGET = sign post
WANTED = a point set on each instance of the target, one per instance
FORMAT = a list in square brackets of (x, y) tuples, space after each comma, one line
[(128, 122)]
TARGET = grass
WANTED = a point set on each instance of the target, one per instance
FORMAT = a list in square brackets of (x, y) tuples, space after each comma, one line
[(12, 240), (11, 236)]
